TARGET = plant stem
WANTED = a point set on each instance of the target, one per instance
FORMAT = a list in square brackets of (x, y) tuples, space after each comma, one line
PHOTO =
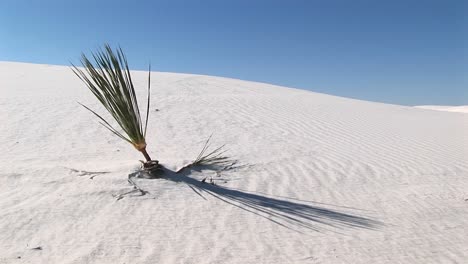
[(147, 157)]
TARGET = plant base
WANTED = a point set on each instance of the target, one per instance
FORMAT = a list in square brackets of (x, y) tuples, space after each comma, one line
[(151, 170)]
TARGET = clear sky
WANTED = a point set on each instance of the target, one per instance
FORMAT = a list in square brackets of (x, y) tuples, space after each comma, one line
[(404, 52)]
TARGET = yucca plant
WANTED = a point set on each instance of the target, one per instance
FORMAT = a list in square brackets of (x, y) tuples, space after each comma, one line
[(109, 79)]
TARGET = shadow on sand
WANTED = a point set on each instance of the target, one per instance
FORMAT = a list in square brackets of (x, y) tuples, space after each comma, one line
[(289, 213)]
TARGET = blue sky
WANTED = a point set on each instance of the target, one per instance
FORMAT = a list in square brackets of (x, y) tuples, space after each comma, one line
[(402, 52)]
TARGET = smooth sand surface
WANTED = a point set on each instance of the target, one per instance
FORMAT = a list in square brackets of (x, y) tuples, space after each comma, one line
[(459, 109), (325, 179)]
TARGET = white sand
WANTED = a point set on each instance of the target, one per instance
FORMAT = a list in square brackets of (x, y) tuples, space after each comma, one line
[(329, 179), (458, 109)]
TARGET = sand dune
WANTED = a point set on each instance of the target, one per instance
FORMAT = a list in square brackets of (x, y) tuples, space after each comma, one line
[(326, 179), (458, 109)]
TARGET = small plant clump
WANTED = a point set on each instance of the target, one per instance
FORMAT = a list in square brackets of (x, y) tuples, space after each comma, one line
[(108, 77), (214, 158)]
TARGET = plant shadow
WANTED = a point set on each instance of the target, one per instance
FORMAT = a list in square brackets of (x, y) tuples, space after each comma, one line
[(286, 212)]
